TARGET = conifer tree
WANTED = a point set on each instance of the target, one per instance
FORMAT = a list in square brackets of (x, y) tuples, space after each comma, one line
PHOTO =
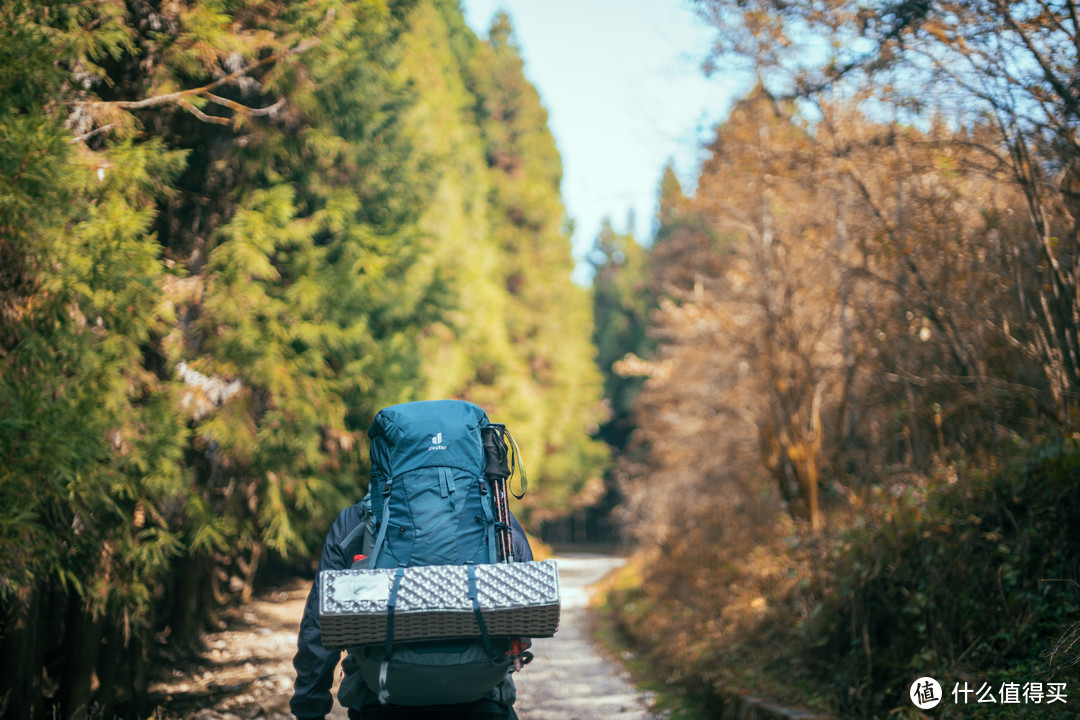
[(684, 248), (548, 316), (88, 437), (230, 233), (467, 349), (488, 344), (274, 322), (622, 304)]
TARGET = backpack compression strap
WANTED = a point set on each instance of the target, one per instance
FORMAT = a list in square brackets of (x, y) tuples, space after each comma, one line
[(384, 523), (384, 668), (474, 596), (489, 522)]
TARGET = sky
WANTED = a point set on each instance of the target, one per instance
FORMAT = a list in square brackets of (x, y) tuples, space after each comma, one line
[(625, 94)]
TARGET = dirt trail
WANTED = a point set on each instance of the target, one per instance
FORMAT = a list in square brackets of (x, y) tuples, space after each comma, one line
[(247, 670)]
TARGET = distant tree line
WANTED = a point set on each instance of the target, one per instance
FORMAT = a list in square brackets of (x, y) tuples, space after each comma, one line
[(229, 233)]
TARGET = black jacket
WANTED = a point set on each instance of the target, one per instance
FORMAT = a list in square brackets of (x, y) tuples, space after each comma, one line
[(315, 664)]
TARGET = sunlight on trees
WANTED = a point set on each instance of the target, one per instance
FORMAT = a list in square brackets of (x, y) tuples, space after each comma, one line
[(229, 234), (864, 370)]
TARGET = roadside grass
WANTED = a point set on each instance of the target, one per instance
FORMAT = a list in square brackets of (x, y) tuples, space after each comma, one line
[(970, 576), (697, 638)]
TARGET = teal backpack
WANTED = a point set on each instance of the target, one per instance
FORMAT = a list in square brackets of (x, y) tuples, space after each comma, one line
[(430, 504)]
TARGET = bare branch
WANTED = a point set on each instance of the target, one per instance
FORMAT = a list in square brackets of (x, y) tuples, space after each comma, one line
[(1074, 15), (216, 119), (244, 109), (92, 133), (1048, 72)]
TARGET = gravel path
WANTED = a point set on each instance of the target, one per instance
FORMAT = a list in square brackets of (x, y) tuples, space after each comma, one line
[(569, 679), (246, 672)]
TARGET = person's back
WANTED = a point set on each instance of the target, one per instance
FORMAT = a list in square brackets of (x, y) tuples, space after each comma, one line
[(428, 484), (315, 665)]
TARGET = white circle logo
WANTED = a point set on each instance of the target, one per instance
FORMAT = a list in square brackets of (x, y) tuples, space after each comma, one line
[(925, 693)]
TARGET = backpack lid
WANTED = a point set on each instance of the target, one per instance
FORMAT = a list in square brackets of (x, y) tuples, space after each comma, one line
[(427, 433)]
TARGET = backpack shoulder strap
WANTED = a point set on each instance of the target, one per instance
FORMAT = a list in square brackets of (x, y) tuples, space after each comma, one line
[(380, 540), (362, 513)]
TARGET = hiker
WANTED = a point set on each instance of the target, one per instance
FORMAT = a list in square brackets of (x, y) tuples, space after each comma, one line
[(448, 470), (315, 665)]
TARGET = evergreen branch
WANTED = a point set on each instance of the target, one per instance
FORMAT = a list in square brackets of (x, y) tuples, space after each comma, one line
[(61, 6), (180, 97)]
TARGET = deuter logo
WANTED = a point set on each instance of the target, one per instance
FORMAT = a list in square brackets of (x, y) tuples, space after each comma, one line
[(436, 443)]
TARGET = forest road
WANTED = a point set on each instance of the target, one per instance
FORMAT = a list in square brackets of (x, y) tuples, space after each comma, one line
[(246, 672)]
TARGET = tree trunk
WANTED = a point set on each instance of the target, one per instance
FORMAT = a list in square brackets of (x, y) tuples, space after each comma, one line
[(108, 666), (186, 616), (23, 656), (140, 676), (251, 570), (84, 644)]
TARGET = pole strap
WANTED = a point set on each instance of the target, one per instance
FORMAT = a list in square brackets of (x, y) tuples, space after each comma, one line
[(523, 481)]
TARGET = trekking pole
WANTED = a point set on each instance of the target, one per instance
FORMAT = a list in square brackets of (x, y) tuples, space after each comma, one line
[(502, 515), (497, 471)]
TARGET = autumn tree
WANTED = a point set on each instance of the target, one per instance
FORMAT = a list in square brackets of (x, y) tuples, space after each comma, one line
[(830, 338), (1005, 68), (749, 335), (848, 335), (684, 247)]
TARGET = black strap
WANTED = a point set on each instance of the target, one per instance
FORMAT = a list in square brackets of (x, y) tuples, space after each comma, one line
[(384, 692), (474, 596), (390, 611)]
